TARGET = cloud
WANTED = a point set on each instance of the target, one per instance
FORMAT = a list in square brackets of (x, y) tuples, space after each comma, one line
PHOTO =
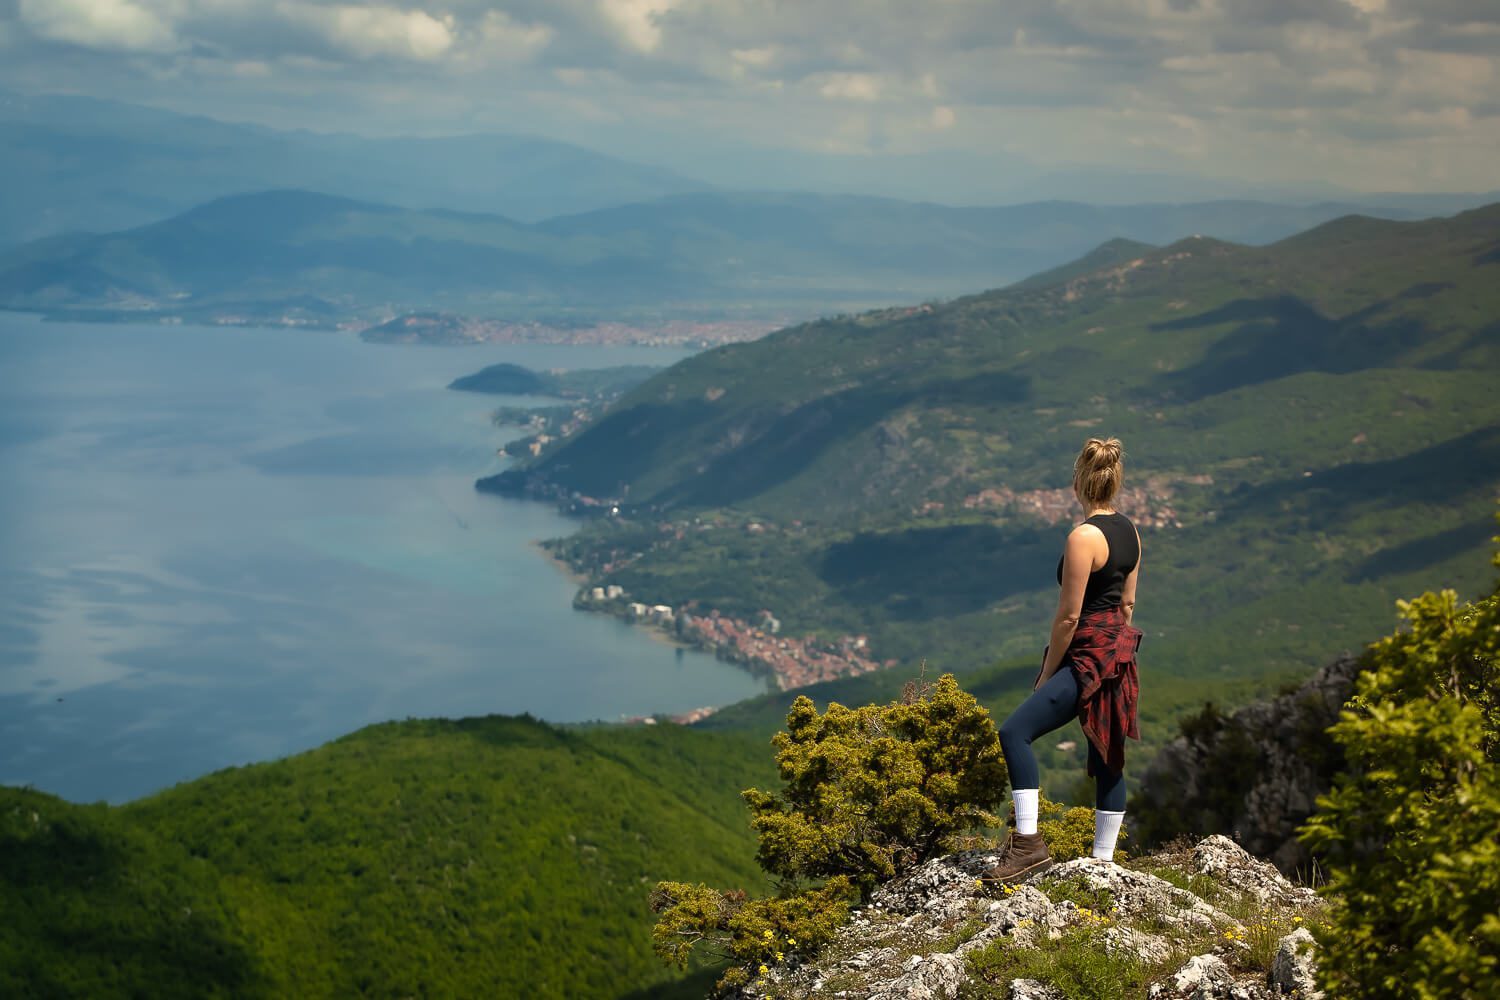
[(850, 87), (372, 32), (1279, 85), (638, 21), (119, 25)]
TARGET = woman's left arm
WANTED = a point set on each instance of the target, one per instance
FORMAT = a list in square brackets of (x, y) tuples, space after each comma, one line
[(1078, 558)]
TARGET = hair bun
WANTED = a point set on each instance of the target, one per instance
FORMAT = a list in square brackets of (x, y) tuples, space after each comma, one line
[(1101, 451), (1098, 473)]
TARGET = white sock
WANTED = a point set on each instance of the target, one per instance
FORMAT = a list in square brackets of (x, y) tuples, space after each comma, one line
[(1106, 831), (1025, 802)]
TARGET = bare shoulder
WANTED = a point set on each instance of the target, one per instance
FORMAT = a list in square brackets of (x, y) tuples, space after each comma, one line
[(1085, 531)]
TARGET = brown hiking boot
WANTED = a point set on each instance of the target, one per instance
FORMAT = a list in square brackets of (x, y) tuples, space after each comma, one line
[(1024, 855)]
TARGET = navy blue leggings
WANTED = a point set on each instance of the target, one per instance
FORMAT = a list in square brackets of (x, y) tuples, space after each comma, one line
[(1051, 706)]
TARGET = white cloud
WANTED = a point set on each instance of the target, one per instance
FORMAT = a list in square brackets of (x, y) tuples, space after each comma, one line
[(370, 32), (759, 58), (850, 87), (1446, 77), (638, 21), (1352, 79), (117, 25), (501, 36), (1261, 80)]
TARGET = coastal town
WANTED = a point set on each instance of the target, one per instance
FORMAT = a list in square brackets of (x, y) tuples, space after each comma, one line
[(790, 661), (451, 328), (1149, 506)]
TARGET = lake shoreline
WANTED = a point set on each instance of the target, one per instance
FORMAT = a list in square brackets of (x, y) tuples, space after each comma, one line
[(234, 545)]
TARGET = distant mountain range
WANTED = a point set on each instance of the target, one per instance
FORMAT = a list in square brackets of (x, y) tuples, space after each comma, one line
[(70, 164), (315, 258), (80, 164), (1312, 431)]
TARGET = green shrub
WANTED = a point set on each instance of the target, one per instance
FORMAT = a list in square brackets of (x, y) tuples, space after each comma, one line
[(1409, 831), (874, 791), (870, 793), (750, 932)]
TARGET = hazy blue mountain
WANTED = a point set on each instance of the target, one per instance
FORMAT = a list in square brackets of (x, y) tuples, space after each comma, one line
[(79, 163), (323, 258), (75, 163)]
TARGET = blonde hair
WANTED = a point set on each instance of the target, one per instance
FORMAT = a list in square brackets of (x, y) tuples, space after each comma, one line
[(1099, 471)]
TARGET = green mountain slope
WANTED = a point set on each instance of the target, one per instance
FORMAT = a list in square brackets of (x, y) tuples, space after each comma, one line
[(484, 857), (289, 254), (1311, 427)]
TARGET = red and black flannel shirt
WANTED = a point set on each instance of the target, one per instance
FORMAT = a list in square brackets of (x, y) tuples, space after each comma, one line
[(1102, 655)]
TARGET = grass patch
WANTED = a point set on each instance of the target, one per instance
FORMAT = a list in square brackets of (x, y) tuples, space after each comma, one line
[(1077, 890), (1202, 886), (1077, 965)]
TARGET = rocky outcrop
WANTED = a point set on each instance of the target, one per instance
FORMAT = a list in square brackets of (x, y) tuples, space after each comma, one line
[(1254, 775), (1211, 923)]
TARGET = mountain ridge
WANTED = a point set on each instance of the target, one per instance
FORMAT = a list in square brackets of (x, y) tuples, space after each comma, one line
[(1310, 433), (440, 857), (298, 256)]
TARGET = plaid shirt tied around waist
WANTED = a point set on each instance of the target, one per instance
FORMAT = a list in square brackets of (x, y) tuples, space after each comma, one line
[(1102, 655)]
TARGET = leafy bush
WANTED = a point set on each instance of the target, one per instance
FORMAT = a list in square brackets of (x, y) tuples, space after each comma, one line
[(874, 791), (870, 793), (1409, 831), (752, 933)]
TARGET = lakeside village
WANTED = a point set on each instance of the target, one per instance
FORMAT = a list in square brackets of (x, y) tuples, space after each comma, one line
[(452, 328), (797, 662), (791, 662)]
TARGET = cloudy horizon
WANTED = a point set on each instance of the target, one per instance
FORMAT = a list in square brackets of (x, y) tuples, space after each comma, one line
[(948, 99)]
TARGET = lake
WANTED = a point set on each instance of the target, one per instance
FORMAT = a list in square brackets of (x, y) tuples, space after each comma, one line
[(223, 545)]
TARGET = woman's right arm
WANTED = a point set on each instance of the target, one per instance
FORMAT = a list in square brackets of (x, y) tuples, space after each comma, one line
[(1078, 559), (1127, 594)]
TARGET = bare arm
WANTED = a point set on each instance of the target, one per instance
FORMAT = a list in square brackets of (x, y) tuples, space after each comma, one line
[(1078, 561), (1127, 595)]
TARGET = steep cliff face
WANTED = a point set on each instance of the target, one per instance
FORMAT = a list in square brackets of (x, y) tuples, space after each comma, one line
[(1207, 923), (1254, 775)]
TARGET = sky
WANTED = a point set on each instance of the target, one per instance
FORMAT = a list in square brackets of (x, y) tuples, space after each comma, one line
[(970, 97)]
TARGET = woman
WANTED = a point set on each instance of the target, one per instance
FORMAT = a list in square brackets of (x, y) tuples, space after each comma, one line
[(1088, 670)]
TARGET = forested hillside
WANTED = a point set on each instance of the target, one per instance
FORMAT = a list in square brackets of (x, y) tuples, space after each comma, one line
[(317, 259), (494, 856), (1311, 431)]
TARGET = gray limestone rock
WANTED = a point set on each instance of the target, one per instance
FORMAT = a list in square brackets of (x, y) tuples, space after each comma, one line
[(1294, 970), (1254, 774), (929, 977), (917, 933), (1232, 866), (1204, 977)]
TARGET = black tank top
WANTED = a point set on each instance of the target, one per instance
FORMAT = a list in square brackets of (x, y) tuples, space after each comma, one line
[(1107, 583)]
